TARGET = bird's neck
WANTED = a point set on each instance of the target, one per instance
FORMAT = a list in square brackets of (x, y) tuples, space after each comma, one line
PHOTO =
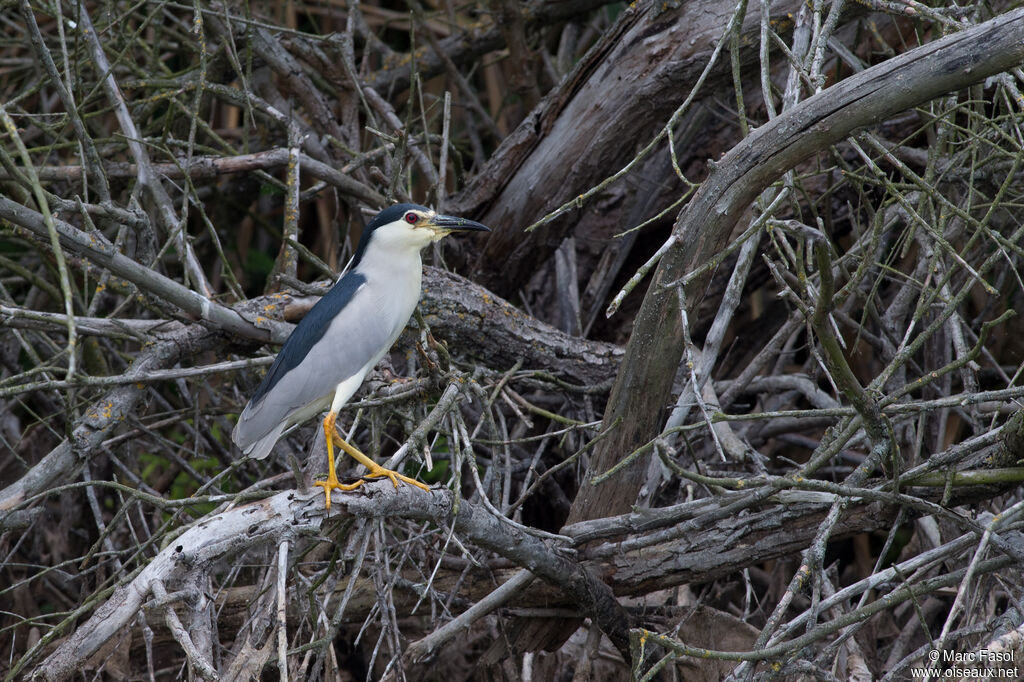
[(394, 278), (395, 264)]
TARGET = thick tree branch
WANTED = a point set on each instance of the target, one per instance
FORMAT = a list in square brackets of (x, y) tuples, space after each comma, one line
[(486, 327), (626, 86), (289, 514), (767, 531)]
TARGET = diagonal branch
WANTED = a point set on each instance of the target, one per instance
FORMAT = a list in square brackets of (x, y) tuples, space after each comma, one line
[(149, 181), (644, 382), (94, 247)]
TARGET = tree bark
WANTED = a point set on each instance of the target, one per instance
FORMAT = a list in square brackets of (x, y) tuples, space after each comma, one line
[(625, 89)]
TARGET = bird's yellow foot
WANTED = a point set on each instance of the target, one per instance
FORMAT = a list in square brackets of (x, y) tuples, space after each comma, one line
[(332, 483), (377, 471)]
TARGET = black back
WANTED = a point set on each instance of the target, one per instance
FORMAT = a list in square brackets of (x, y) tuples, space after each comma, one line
[(310, 329)]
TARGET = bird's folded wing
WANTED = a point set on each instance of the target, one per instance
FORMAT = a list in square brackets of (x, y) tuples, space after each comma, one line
[(342, 336)]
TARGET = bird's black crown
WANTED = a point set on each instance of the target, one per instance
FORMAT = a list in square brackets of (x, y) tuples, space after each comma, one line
[(388, 215)]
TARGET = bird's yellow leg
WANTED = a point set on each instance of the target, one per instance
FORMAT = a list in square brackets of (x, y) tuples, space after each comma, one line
[(376, 470), (332, 477)]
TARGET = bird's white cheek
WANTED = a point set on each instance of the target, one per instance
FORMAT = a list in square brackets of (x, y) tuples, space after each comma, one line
[(425, 236)]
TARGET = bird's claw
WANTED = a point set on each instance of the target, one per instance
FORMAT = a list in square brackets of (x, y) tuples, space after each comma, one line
[(332, 483), (394, 477)]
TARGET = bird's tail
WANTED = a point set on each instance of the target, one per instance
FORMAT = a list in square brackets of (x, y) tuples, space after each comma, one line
[(253, 444)]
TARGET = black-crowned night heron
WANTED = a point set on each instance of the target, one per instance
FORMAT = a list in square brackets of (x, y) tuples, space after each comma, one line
[(344, 335)]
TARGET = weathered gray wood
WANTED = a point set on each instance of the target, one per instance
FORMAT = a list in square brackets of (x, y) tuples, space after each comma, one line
[(625, 88), (486, 327), (290, 514), (767, 531)]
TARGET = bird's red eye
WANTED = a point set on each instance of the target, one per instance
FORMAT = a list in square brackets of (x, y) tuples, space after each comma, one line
[(411, 218)]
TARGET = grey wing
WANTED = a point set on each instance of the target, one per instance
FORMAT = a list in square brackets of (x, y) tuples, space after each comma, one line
[(327, 348)]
